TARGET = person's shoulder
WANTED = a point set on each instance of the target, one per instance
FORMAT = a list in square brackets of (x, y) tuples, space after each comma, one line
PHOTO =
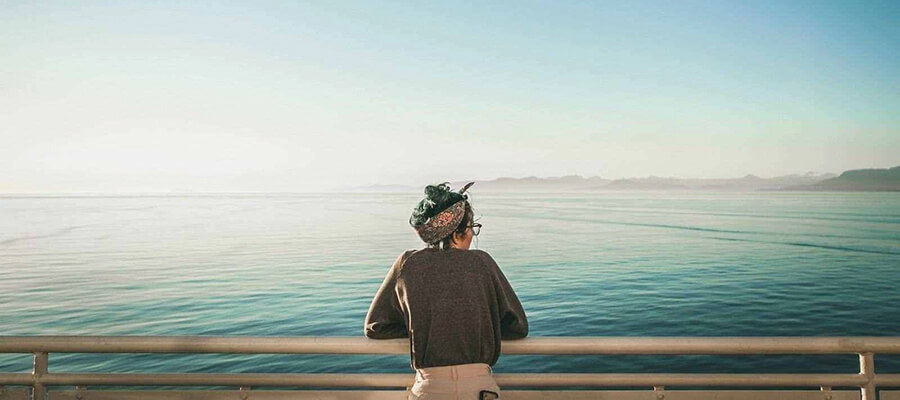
[(415, 253), (484, 257), (480, 253), (403, 258), (409, 252)]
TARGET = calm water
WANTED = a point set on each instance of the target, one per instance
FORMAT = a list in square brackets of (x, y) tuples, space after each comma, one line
[(604, 264)]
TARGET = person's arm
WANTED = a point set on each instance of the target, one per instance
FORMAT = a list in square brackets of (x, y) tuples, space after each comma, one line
[(513, 322), (385, 319)]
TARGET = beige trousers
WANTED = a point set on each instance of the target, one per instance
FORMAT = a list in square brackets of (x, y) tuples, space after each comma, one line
[(453, 382)]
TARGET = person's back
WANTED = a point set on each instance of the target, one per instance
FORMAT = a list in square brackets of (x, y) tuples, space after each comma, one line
[(459, 306), (454, 304)]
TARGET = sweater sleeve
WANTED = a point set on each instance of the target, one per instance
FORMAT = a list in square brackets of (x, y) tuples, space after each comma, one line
[(385, 319), (513, 322)]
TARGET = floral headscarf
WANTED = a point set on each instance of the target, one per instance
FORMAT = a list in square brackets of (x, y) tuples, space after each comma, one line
[(442, 224)]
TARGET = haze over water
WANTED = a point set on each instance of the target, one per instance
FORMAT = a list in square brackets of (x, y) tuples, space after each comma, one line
[(583, 264)]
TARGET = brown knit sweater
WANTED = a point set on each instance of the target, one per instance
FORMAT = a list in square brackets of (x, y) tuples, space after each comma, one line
[(454, 305)]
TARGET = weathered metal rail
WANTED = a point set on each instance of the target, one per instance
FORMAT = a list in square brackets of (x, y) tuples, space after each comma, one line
[(41, 378)]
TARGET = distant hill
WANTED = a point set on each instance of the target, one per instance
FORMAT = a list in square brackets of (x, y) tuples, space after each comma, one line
[(866, 180), (746, 183), (653, 183), (644, 184), (853, 180), (533, 183)]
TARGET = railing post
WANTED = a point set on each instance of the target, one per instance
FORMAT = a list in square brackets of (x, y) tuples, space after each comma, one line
[(826, 391), (867, 369), (38, 391), (660, 392), (79, 392)]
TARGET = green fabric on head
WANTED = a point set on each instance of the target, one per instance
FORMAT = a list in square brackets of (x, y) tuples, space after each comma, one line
[(437, 198), (440, 212)]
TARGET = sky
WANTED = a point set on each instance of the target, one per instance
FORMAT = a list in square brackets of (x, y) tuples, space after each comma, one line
[(308, 96)]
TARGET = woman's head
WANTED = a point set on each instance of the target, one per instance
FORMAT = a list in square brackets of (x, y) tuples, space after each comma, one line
[(443, 219)]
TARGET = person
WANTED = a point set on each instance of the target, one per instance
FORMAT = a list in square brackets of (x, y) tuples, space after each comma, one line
[(454, 304)]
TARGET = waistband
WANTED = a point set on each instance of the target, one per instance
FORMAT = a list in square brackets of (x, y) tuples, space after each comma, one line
[(455, 371)]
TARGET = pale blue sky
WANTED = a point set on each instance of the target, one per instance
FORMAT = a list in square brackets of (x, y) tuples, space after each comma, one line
[(277, 96)]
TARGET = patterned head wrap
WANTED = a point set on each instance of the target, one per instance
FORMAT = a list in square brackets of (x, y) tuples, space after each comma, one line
[(446, 220)]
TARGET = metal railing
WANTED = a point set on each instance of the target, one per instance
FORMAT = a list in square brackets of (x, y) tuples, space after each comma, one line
[(41, 378)]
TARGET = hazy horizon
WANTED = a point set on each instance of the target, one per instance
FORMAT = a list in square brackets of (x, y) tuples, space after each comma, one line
[(177, 191), (236, 97)]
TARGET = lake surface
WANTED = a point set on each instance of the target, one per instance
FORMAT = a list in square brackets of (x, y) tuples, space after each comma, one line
[(583, 264)]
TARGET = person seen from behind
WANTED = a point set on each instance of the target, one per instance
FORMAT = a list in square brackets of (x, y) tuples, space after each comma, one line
[(454, 304)]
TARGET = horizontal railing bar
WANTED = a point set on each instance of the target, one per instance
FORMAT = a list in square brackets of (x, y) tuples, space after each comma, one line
[(201, 344), (15, 379), (232, 395), (703, 345), (887, 379), (398, 394), (245, 379), (505, 380), (620, 380), (536, 345)]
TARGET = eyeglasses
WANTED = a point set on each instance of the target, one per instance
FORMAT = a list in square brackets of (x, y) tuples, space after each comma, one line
[(476, 228)]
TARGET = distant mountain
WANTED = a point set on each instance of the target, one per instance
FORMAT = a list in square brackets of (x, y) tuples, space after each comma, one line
[(533, 183), (578, 183), (854, 180), (753, 182), (862, 180), (645, 184)]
